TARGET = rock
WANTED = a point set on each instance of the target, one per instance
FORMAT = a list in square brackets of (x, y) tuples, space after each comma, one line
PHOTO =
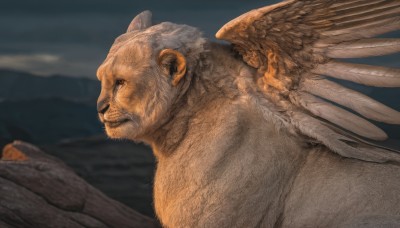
[(37, 190)]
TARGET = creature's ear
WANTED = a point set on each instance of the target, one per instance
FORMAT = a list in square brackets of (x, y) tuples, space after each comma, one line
[(173, 64), (141, 21)]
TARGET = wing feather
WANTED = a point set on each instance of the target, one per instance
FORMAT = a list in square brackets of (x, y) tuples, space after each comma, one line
[(354, 4), (353, 26), (362, 31), (293, 41), (338, 116), (352, 17), (345, 145), (361, 48), (360, 73), (371, 8), (355, 101)]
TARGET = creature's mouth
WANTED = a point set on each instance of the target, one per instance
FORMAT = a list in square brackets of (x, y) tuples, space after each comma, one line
[(114, 124)]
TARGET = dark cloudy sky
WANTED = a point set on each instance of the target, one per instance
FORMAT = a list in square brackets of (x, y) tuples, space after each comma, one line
[(72, 36)]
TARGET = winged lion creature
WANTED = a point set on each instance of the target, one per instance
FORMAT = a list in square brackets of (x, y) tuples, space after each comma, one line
[(260, 133)]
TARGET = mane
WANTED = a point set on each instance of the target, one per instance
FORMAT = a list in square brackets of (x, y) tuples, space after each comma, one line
[(183, 38)]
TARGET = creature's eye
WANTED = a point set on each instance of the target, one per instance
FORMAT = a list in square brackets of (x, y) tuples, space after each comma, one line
[(119, 83)]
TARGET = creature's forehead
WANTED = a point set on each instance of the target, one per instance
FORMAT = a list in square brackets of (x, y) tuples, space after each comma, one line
[(160, 36), (132, 55), (138, 48), (134, 42)]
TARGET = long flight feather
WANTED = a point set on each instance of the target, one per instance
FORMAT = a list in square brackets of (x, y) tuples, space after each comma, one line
[(370, 8), (361, 48), (361, 73), (349, 4), (368, 30), (363, 17), (338, 116), (338, 142), (356, 101)]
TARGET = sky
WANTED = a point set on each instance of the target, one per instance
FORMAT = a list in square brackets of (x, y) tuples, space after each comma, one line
[(72, 37)]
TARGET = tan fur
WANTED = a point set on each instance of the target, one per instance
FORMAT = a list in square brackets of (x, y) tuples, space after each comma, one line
[(225, 157)]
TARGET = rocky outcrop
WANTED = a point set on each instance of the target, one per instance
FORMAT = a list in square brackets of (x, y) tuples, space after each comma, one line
[(37, 190)]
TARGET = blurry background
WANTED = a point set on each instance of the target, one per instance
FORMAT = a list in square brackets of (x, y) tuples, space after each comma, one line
[(49, 52)]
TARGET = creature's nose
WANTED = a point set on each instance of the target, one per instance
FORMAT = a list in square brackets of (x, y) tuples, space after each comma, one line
[(102, 107)]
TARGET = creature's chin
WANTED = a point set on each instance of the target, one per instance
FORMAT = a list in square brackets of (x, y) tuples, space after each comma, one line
[(122, 130), (116, 124), (119, 130)]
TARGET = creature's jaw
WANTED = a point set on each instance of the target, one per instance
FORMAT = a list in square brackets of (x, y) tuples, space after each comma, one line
[(121, 129)]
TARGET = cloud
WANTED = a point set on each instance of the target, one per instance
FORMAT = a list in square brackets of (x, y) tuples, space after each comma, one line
[(49, 59), (27, 61), (46, 64), (79, 33)]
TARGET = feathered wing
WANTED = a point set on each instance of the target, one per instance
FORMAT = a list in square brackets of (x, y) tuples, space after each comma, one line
[(296, 44)]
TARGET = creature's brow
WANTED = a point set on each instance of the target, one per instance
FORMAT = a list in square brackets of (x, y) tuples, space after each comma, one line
[(100, 73), (104, 69)]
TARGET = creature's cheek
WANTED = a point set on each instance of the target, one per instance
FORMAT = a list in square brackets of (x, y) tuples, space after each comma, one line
[(125, 99), (118, 133)]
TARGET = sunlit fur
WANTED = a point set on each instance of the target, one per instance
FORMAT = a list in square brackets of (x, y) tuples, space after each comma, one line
[(147, 95), (224, 156)]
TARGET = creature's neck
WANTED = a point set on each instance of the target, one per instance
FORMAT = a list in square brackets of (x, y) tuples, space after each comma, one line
[(209, 82), (226, 158), (219, 145)]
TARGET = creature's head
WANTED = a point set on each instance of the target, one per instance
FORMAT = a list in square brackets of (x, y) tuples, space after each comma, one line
[(144, 74)]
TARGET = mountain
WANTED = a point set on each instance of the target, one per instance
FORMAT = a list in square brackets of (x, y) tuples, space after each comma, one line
[(47, 120), (54, 112), (47, 109), (16, 85)]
